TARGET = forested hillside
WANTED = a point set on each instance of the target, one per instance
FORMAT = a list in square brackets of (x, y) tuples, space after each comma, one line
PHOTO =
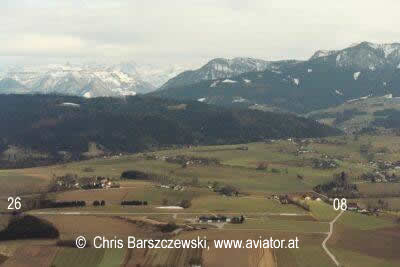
[(50, 124)]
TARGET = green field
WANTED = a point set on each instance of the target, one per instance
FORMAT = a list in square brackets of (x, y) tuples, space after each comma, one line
[(242, 205), (87, 257), (351, 258), (15, 182), (322, 211), (379, 189), (364, 222), (112, 257), (238, 167), (282, 225)]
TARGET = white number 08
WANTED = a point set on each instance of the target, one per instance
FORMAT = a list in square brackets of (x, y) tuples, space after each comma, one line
[(339, 204), (15, 203)]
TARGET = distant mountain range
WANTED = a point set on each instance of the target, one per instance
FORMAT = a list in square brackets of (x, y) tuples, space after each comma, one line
[(328, 78), (92, 80)]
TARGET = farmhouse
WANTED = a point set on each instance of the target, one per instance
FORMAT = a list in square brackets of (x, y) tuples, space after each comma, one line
[(220, 219), (213, 219), (352, 207), (284, 199), (173, 187)]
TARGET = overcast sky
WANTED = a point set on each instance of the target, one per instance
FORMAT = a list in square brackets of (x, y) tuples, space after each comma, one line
[(189, 31)]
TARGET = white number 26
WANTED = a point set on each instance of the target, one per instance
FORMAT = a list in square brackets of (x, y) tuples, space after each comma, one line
[(15, 203)]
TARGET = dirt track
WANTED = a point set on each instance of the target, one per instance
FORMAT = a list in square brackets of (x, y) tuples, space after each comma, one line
[(329, 236)]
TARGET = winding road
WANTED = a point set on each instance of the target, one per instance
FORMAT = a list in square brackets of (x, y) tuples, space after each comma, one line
[(329, 236)]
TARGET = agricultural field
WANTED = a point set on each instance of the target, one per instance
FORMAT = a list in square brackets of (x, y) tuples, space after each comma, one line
[(33, 255), (22, 181), (113, 257), (90, 257), (379, 189), (373, 247), (310, 252), (322, 211), (283, 226), (283, 171), (393, 202)]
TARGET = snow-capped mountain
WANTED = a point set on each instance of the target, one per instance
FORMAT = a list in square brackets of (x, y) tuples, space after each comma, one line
[(89, 80), (72, 80), (152, 74), (221, 68), (327, 79), (363, 56)]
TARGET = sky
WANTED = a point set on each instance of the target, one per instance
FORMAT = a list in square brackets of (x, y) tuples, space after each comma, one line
[(188, 31)]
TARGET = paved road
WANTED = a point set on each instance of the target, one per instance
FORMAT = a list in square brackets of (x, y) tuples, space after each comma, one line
[(329, 236)]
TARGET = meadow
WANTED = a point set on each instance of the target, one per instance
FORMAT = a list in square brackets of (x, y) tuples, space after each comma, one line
[(237, 167)]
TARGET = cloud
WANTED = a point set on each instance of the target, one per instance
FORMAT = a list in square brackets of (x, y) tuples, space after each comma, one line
[(191, 30), (27, 44)]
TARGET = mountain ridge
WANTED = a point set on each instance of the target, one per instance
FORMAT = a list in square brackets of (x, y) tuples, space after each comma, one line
[(219, 68), (90, 80), (327, 79)]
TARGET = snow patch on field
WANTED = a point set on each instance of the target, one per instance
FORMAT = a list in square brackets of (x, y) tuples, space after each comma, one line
[(357, 99), (229, 81), (338, 92), (239, 100), (68, 104), (388, 96), (356, 75), (214, 84), (274, 71), (309, 70), (170, 208), (247, 81)]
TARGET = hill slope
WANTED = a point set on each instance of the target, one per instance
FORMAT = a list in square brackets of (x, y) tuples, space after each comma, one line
[(51, 124), (221, 68), (361, 114)]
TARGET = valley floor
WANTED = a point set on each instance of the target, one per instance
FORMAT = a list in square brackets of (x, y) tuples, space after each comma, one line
[(348, 237)]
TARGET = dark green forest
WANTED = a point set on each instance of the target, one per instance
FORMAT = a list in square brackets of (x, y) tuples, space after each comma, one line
[(388, 118), (138, 123)]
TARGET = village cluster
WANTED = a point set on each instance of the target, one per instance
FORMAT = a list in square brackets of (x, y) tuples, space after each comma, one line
[(71, 181)]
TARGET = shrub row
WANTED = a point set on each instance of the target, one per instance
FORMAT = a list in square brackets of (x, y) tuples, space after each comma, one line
[(62, 204), (99, 203), (134, 203), (133, 174)]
